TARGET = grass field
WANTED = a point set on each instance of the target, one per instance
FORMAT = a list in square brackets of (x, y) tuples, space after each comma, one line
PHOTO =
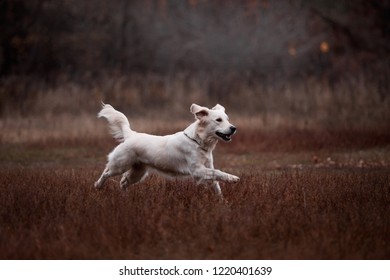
[(303, 194)]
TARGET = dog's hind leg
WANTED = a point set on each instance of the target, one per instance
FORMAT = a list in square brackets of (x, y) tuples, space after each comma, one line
[(106, 174), (134, 175)]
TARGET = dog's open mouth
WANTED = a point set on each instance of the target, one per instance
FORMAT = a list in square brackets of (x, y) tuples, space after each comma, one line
[(225, 137)]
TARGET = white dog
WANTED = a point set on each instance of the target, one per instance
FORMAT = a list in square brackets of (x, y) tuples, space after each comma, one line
[(185, 153)]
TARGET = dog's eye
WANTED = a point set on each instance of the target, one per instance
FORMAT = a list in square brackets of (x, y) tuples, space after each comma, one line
[(219, 120)]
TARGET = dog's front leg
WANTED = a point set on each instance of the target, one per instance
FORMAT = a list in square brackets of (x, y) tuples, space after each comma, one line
[(204, 173), (216, 186)]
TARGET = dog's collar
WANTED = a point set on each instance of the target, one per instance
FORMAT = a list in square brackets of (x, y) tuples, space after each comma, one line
[(196, 141)]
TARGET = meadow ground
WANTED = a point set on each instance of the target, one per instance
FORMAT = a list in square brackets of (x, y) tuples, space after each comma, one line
[(303, 194)]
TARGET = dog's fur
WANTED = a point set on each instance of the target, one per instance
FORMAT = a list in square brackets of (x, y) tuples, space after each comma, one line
[(185, 153)]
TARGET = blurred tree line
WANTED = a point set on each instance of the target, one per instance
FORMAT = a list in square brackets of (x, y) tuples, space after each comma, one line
[(252, 38)]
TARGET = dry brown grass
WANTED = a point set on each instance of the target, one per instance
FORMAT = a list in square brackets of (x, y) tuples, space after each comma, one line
[(313, 103), (313, 157), (303, 195), (311, 214)]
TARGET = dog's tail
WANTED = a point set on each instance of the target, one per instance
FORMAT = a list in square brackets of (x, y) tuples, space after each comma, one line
[(117, 122)]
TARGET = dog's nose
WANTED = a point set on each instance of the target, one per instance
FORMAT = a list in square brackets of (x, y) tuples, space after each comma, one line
[(233, 129)]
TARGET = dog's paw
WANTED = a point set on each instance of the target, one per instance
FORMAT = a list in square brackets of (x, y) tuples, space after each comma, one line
[(97, 185), (233, 179), (124, 183)]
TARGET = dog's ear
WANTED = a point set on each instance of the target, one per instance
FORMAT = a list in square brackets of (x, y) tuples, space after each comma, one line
[(218, 107), (199, 111)]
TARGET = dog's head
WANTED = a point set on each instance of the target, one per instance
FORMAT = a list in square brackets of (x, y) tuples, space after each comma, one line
[(213, 122)]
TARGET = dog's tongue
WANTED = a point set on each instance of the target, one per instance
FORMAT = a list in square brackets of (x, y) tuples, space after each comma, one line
[(225, 137)]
